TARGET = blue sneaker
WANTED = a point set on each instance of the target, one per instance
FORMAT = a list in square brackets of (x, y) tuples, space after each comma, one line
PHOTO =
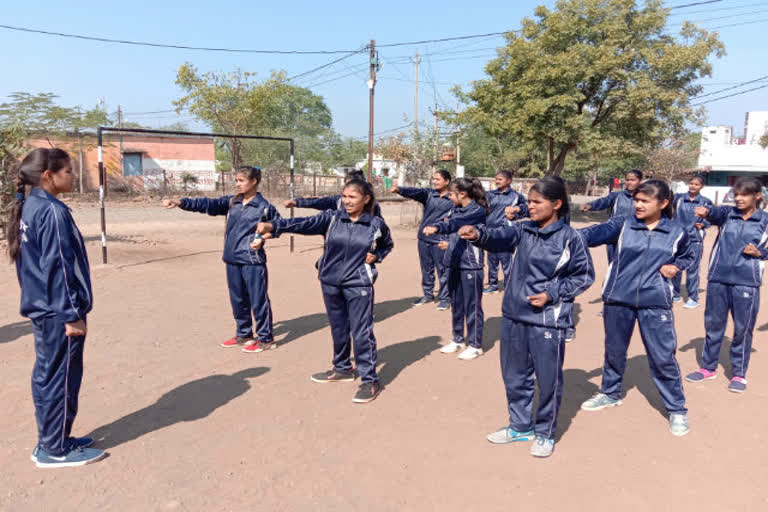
[(600, 401), (423, 300), (77, 442), (691, 304), (542, 447), (738, 385), (677, 299), (570, 334), (506, 435), (444, 304), (76, 457), (490, 289)]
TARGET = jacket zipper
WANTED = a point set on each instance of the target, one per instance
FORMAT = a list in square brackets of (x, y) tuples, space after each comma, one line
[(645, 267)]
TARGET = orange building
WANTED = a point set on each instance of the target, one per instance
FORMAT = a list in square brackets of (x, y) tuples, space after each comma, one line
[(140, 162)]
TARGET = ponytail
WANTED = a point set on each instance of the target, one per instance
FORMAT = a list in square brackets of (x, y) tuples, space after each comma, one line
[(473, 187), (29, 173)]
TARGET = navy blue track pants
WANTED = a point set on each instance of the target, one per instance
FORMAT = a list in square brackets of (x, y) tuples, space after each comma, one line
[(350, 313), (248, 295), (528, 350), (431, 259), (466, 288), (742, 302), (657, 330), (494, 260), (692, 281), (56, 379)]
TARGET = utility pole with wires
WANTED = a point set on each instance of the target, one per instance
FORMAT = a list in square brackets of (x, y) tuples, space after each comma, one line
[(434, 159), (374, 66), (416, 96)]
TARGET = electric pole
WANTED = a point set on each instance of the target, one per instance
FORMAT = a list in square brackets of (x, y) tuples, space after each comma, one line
[(459, 168), (371, 85), (416, 96), (434, 160)]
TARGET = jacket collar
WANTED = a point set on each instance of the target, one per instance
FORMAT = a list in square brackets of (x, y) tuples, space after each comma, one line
[(736, 214), (627, 193), (687, 198), (42, 194), (500, 193), (533, 227), (365, 218), (463, 209), (256, 201), (665, 224)]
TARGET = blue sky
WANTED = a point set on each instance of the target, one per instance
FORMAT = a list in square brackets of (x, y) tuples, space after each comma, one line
[(140, 79)]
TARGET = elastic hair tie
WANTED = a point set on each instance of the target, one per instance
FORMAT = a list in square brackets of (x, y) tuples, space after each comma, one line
[(20, 196)]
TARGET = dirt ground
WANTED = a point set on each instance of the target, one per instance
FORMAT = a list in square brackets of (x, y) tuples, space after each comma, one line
[(191, 426)]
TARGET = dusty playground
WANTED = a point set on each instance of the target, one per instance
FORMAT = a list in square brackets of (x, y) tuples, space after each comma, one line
[(191, 426)]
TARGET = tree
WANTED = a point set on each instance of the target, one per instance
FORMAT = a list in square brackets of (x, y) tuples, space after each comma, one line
[(592, 68), (764, 140), (239, 104)]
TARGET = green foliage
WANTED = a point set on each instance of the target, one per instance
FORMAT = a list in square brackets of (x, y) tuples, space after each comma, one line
[(240, 104), (188, 180), (764, 140), (595, 75)]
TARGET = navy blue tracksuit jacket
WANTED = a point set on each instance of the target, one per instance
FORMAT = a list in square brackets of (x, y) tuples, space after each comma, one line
[(498, 202), (554, 260), (247, 277), (684, 207), (464, 262), (621, 204), (328, 203), (54, 276), (734, 285), (347, 280), (636, 291), (436, 208)]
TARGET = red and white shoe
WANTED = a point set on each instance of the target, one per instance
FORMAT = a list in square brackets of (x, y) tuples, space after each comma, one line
[(237, 341), (260, 346)]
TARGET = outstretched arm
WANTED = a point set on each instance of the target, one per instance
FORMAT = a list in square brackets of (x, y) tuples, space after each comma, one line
[(315, 225), (417, 194), (605, 233), (502, 239), (209, 205), (318, 203)]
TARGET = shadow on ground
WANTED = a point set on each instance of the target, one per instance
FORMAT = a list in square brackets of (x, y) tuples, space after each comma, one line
[(395, 358), (304, 325), (697, 344), (14, 331), (189, 402)]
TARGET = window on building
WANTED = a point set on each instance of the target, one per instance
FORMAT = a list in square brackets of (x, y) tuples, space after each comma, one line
[(132, 165)]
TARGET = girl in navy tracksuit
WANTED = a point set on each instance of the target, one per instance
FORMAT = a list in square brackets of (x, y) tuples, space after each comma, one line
[(505, 206), (620, 203), (685, 204), (551, 265), (355, 240), (54, 276), (333, 202), (735, 275), (247, 277), (651, 250), (437, 204), (464, 262)]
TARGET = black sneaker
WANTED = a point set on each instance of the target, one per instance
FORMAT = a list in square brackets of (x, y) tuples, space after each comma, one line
[(367, 393), (333, 376), (423, 300)]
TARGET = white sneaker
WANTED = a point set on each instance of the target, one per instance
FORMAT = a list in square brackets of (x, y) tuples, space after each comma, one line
[(471, 353), (453, 347)]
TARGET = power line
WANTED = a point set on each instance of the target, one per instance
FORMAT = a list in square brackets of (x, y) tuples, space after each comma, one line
[(444, 39), (175, 46), (731, 8), (694, 4), (730, 95), (329, 64), (763, 20), (732, 87), (720, 17)]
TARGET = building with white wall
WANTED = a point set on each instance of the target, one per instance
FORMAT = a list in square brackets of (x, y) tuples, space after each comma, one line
[(725, 157)]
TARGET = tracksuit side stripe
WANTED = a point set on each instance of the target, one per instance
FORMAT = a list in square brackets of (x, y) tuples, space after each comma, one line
[(557, 384), (63, 268)]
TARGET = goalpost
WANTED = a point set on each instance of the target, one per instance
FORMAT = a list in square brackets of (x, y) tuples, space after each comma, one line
[(102, 173)]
